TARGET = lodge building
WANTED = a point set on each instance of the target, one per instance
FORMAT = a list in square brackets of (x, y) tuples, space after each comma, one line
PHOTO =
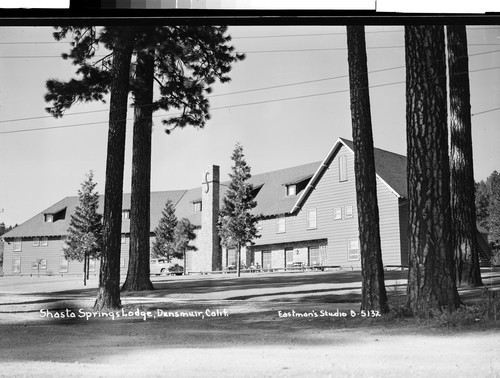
[(307, 217)]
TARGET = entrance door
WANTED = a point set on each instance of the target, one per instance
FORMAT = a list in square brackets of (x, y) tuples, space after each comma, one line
[(288, 257), (266, 260)]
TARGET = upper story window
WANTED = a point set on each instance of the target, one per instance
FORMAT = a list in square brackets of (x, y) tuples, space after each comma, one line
[(337, 213), (311, 219), (126, 214), (259, 225), (49, 218), (45, 241), (348, 212), (18, 244), (36, 242), (291, 190), (197, 206), (124, 239), (280, 224), (342, 168)]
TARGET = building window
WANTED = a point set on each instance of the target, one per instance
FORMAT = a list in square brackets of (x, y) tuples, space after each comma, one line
[(49, 218), (16, 265), (291, 190), (352, 249), (337, 213), (126, 214), (348, 211), (342, 168), (39, 263), (63, 264), (18, 244), (314, 256), (122, 262), (124, 238), (259, 225), (45, 241), (311, 219), (197, 206), (231, 257), (36, 242), (280, 224)]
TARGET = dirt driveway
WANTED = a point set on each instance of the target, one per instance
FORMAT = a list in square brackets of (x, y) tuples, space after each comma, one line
[(301, 325)]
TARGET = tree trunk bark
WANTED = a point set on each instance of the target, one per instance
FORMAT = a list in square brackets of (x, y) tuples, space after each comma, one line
[(463, 189), (238, 260), (374, 295), (431, 276), (85, 269), (108, 296), (138, 275)]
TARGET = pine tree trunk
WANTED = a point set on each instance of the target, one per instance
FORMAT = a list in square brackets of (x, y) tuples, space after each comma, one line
[(138, 275), (238, 260), (85, 269), (374, 296), (88, 267), (431, 276), (463, 189), (108, 296)]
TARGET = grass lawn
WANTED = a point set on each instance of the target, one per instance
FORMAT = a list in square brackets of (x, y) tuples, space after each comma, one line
[(289, 325)]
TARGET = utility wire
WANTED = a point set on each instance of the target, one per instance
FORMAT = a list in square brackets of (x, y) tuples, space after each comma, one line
[(237, 106), (250, 52), (256, 36), (245, 91)]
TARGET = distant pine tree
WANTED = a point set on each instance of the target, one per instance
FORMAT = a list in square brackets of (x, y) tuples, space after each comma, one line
[(237, 225), (184, 234), (494, 211), (85, 238), (163, 246)]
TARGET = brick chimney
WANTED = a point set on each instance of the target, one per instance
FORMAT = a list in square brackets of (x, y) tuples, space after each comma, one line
[(209, 241)]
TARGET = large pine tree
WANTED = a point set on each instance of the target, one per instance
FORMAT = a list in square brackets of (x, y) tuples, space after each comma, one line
[(465, 246), (84, 240), (374, 296), (184, 61), (431, 275), (237, 224)]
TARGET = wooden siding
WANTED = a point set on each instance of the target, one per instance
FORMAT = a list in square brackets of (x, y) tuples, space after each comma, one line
[(329, 194), (53, 253)]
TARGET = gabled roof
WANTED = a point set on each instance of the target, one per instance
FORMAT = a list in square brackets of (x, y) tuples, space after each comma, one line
[(271, 198), (36, 226), (390, 169)]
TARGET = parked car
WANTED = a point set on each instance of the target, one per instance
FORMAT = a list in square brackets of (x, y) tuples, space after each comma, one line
[(159, 266), (176, 270)]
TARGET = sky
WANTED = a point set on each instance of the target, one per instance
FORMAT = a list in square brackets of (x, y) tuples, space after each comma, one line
[(287, 104)]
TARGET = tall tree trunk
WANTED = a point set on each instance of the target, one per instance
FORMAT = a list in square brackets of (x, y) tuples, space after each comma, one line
[(463, 189), (238, 260), (138, 275), (431, 276), (108, 296), (85, 269), (374, 295)]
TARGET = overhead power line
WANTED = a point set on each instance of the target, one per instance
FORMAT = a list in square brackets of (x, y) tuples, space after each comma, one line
[(244, 91)]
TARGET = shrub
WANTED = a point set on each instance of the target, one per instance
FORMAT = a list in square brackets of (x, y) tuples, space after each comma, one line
[(486, 311)]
